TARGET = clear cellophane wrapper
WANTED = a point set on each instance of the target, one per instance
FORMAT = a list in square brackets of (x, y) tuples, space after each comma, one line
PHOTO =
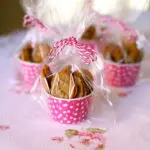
[(28, 58), (69, 92), (67, 82), (125, 56)]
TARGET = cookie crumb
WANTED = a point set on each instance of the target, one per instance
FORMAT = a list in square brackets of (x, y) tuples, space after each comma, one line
[(58, 139)]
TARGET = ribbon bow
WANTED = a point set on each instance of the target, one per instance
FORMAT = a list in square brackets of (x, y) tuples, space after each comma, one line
[(87, 52)]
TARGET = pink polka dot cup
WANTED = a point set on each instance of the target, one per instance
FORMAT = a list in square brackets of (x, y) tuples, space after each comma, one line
[(121, 75), (69, 111), (29, 71)]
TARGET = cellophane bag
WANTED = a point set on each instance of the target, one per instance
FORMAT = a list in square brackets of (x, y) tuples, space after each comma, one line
[(28, 58), (125, 56), (29, 55), (69, 91)]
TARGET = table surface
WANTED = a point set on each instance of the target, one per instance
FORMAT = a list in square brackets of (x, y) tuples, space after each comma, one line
[(31, 127)]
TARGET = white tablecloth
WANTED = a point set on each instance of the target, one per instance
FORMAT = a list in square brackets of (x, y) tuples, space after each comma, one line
[(31, 127)]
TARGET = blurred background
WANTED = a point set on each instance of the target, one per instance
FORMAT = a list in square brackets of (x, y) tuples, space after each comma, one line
[(11, 16), (11, 12)]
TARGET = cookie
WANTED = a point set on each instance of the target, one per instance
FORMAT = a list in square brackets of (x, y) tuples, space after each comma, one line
[(117, 55), (135, 56), (63, 85), (40, 52), (88, 78), (82, 89), (89, 33), (35, 54), (26, 53), (129, 45), (46, 78), (67, 84), (87, 74), (107, 49), (54, 86), (48, 74), (46, 71), (113, 52), (73, 88), (66, 69)]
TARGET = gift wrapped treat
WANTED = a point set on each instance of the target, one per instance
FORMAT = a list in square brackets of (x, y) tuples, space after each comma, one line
[(122, 63), (30, 58), (69, 93), (67, 78), (123, 53), (30, 55)]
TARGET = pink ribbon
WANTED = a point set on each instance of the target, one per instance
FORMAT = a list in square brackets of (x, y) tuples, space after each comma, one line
[(86, 52)]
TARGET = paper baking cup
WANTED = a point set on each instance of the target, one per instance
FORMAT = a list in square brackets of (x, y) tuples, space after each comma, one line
[(69, 111), (121, 75), (29, 71)]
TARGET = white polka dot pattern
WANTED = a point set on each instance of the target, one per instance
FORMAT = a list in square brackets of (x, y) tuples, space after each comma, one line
[(120, 75), (69, 111), (29, 72)]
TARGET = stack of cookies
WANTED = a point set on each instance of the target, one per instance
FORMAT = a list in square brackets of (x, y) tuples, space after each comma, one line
[(126, 52), (122, 63), (35, 54), (67, 84)]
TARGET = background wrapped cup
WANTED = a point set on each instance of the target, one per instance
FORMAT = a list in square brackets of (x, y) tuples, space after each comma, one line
[(69, 111), (121, 75), (30, 71), (115, 74)]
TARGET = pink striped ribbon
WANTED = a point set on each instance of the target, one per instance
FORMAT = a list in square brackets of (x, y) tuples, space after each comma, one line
[(87, 53)]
